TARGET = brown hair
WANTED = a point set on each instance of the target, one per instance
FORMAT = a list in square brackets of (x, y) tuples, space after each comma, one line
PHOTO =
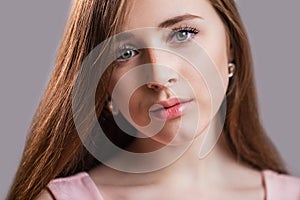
[(54, 149), (243, 130)]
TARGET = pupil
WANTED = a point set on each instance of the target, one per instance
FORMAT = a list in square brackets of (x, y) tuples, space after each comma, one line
[(127, 54)]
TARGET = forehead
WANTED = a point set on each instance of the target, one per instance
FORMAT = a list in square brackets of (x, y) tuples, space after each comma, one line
[(150, 13)]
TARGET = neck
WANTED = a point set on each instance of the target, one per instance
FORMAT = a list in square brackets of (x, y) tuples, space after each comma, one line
[(176, 164), (181, 162)]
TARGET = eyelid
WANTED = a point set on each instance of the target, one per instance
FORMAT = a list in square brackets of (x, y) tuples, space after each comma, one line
[(125, 46)]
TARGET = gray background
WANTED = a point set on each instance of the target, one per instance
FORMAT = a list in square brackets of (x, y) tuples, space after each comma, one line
[(30, 32)]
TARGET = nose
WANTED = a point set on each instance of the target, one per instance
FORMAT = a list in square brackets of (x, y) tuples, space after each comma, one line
[(163, 69)]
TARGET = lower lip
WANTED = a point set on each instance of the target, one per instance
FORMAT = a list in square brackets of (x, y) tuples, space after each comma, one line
[(171, 112)]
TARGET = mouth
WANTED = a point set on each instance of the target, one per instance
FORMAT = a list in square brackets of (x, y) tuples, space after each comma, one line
[(170, 108)]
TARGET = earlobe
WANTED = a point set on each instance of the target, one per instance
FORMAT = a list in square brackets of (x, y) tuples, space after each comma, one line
[(112, 107), (231, 69)]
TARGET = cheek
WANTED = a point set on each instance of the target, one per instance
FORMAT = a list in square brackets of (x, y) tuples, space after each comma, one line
[(113, 81), (199, 86), (217, 53), (221, 63), (138, 108), (220, 59), (215, 43)]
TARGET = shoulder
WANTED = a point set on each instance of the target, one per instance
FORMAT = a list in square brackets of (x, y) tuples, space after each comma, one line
[(78, 186), (281, 186), (45, 195)]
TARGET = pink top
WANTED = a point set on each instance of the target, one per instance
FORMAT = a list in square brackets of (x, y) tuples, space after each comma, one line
[(281, 187), (77, 187), (81, 186)]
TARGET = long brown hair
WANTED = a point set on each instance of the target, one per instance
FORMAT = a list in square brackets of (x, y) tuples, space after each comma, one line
[(243, 130), (53, 148)]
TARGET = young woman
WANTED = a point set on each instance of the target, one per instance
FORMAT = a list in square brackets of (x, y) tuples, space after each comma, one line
[(176, 65)]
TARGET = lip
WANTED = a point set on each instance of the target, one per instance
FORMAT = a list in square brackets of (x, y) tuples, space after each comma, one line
[(170, 108)]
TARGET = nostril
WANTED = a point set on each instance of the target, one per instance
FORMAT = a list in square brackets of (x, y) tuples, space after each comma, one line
[(172, 81), (153, 86)]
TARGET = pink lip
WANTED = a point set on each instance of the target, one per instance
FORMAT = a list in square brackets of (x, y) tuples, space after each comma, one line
[(169, 109)]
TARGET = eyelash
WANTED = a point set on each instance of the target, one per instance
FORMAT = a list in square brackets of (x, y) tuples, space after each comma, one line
[(189, 29)]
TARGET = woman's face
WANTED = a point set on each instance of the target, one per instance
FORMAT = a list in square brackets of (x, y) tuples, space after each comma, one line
[(168, 87)]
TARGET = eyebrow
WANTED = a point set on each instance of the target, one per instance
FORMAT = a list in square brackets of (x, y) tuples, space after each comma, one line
[(177, 19), (165, 24)]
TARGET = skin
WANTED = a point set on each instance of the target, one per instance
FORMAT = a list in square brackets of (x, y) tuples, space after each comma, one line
[(217, 176)]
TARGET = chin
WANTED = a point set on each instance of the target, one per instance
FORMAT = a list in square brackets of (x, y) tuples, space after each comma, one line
[(180, 135)]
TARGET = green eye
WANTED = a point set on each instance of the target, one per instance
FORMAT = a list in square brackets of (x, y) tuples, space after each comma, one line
[(182, 36), (126, 54)]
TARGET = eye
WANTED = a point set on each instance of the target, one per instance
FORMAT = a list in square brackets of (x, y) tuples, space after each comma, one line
[(126, 53), (183, 34)]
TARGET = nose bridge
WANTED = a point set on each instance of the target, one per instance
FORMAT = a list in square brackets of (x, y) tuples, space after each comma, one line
[(163, 67)]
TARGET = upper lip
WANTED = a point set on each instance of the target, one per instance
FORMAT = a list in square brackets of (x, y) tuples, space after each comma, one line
[(168, 103)]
